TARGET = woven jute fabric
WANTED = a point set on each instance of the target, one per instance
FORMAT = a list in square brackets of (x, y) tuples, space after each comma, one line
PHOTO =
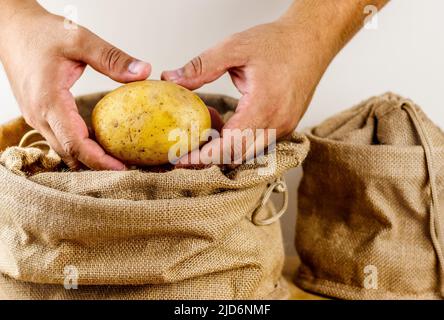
[(181, 234), (21, 160), (369, 224)]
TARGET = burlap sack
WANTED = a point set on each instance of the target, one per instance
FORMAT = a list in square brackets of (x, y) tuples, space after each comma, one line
[(369, 225), (183, 234)]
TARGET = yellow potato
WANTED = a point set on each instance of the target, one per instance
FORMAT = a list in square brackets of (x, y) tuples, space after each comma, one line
[(134, 122)]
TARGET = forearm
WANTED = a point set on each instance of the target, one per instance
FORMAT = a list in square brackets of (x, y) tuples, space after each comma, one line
[(10, 8), (329, 24), (12, 14)]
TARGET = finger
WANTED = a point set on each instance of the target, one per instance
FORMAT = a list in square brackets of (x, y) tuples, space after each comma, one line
[(217, 123), (207, 67), (243, 138), (107, 59), (49, 136), (72, 134)]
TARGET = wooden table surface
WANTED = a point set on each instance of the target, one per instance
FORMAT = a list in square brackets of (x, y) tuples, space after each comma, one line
[(295, 292)]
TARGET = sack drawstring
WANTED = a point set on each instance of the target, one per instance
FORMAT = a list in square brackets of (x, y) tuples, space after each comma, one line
[(279, 186), (436, 227), (27, 136)]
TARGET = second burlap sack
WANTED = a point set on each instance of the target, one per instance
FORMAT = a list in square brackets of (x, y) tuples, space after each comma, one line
[(369, 223)]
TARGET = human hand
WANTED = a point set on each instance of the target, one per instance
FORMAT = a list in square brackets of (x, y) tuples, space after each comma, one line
[(43, 60), (275, 70), (276, 67)]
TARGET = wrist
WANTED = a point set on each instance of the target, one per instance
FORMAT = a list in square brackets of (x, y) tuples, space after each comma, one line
[(327, 25)]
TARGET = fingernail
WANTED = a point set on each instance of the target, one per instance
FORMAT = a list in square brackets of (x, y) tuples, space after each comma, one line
[(137, 67), (175, 74), (118, 167)]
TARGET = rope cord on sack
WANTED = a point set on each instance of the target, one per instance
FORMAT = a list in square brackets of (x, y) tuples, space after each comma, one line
[(435, 219), (30, 134), (279, 186)]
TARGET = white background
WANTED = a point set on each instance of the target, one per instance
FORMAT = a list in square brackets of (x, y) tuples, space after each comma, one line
[(405, 54)]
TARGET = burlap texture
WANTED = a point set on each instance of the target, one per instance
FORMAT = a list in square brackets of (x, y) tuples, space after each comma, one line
[(365, 201), (183, 234), (23, 161)]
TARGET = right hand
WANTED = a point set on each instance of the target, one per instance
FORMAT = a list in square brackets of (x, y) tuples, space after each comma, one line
[(43, 59)]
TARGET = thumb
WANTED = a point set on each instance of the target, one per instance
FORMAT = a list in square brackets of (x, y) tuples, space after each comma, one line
[(206, 68), (109, 60)]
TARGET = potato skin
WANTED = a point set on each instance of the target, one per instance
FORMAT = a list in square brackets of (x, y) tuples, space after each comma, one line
[(133, 122)]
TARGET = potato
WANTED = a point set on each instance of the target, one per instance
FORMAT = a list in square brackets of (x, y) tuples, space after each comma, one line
[(133, 123)]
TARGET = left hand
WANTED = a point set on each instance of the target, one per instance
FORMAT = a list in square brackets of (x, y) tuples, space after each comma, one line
[(43, 59)]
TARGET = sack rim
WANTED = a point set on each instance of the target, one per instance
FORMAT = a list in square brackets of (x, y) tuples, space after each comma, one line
[(241, 183), (376, 147), (48, 191), (85, 200)]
